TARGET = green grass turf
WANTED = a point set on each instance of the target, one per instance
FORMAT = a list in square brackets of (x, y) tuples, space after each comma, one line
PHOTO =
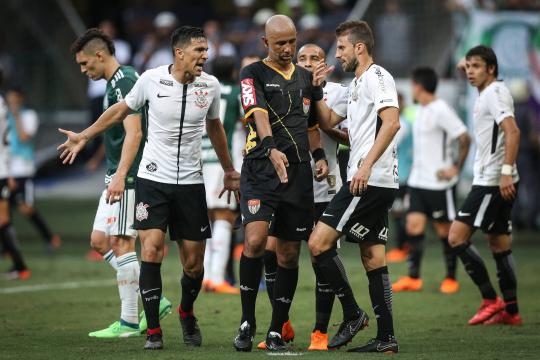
[(53, 324)]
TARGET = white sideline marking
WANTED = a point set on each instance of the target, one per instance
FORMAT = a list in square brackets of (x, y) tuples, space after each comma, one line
[(58, 286), (286, 353)]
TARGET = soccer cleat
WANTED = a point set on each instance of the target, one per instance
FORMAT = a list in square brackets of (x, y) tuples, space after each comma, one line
[(18, 274), (487, 309), (191, 333), (377, 346), (207, 285), (407, 283), (115, 330), (226, 288), (449, 286), (274, 342), (244, 339), (396, 255), (94, 256), (154, 341), (287, 332), (319, 341), (56, 241), (348, 329), (164, 310), (504, 318)]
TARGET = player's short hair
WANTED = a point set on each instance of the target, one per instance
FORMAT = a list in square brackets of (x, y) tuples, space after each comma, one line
[(19, 90), (485, 53), (358, 32), (426, 77), (223, 68), (183, 35), (93, 39)]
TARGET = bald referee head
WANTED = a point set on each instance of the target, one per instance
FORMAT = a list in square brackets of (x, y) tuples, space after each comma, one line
[(280, 39)]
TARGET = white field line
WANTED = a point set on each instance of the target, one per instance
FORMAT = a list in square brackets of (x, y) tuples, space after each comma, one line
[(58, 286)]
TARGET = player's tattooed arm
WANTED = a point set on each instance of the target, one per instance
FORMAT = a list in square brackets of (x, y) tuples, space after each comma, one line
[(231, 181), (132, 140), (77, 141), (511, 147), (389, 128)]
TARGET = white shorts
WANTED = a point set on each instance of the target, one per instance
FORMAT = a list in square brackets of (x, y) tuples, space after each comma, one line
[(213, 182), (116, 219)]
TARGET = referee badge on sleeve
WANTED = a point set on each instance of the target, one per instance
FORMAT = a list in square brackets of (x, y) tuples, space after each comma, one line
[(254, 205)]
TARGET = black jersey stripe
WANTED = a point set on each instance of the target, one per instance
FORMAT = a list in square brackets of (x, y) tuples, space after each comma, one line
[(494, 136), (378, 126), (182, 115)]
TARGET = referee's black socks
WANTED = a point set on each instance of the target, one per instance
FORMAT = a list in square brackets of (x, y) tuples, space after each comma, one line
[(475, 267), (270, 269), (150, 288), (284, 289), (333, 270), (250, 277), (380, 292)]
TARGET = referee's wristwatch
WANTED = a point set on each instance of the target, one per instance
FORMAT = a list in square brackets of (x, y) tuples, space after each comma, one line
[(268, 144)]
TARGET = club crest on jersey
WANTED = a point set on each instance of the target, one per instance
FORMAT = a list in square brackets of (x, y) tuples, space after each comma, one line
[(305, 105), (254, 205), (331, 180), (200, 98), (140, 211), (152, 167)]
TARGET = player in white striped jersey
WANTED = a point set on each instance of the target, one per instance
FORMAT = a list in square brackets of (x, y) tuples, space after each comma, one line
[(335, 96), (433, 178), (360, 209), (7, 234), (488, 205)]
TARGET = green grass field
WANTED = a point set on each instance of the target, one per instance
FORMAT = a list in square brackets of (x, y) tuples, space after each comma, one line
[(44, 323)]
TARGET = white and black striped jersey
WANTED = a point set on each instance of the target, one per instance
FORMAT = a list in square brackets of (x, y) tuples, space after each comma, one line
[(435, 127), (4, 143), (372, 91), (335, 96), (493, 105), (176, 118)]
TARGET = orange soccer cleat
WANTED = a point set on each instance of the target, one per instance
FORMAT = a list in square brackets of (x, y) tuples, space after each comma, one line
[(396, 255), (225, 288), (93, 255), (287, 334), (319, 341), (56, 241), (504, 318), (407, 283), (208, 285), (449, 286), (487, 309)]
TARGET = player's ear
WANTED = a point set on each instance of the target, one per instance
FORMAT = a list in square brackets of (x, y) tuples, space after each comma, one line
[(178, 52), (265, 41), (99, 55)]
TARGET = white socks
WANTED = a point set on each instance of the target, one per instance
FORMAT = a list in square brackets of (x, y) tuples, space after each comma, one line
[(218, 251), (128, 286), (111, 259)]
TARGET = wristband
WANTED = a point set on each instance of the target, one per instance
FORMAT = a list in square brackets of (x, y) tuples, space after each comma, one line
[(268, 144), (507, 170), (318, 154), (317, 93)]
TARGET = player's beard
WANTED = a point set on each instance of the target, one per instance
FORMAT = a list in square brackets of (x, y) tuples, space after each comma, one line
[(351, 65)]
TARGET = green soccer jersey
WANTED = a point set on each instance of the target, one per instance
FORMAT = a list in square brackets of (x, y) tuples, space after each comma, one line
[(229, 113), (118, 87)]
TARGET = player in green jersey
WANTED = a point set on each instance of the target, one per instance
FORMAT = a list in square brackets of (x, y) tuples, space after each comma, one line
[(113, 235)]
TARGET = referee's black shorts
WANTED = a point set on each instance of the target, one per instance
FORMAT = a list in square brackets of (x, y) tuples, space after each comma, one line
[(288, 208)]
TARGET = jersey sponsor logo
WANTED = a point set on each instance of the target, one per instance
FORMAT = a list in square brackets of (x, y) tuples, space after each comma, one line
[(301, 229), (162, 96), (360, 231), (200, 85), (380, 77), (254, 205), (111, 220), (248, 93), (152, 167), (166, 82), (201, 99), (140, 211), (305, 105), (272, 85)]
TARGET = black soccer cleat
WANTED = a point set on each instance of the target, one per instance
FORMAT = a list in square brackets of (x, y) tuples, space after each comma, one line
[(154, 342), (274, 342), (377, 346), (190, 330), (348, 329), (244, 339)]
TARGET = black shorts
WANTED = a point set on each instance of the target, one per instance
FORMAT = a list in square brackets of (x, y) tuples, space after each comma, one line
[(180, 208), (288, 208), (361, 218), (484, 208), (437, 205), (4, 189), (24, 193), (319, 209), (402, 201)]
